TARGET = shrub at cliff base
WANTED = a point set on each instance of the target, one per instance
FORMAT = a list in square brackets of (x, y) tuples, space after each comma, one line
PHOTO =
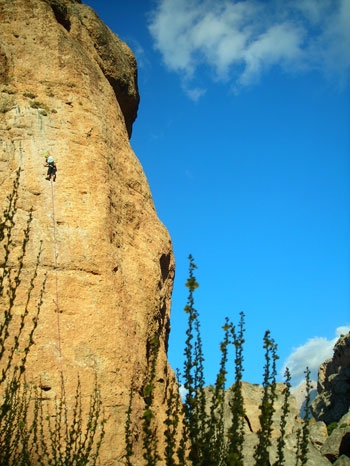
[(30, 432)]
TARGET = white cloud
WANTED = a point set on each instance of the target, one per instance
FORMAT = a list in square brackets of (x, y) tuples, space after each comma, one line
[(240, 40), (183, 392), (170, 27), (279, 45), (194, 93), (312, 354)]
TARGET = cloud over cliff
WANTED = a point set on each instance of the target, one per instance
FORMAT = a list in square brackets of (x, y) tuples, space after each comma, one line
[(312, 354), (238, 42)]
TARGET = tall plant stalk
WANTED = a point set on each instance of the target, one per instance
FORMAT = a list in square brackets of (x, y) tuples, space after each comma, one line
[(31, 434), (261, 453), (236, 431)]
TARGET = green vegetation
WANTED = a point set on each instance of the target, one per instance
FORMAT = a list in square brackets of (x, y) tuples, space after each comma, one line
[(35, 431), (283, 422), (335, 425), (172, 424), (8, 90), (331, 427), (195, 432), (39, 105), (261, 454), (194, 406), (303, 433), (149, 439), (129, 450), (7, 103), (215, 433), (236, 430), (29, 94), (31, 431)]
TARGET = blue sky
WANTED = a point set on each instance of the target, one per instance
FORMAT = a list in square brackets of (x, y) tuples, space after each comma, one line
[(243, 133)]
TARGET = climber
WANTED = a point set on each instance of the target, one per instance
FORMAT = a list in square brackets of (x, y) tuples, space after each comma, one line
[(52, 169)]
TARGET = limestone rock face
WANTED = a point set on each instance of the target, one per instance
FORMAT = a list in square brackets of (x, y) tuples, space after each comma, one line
[(333, 387), (337, 446), (252, 396), (68, 86), (300, 393)]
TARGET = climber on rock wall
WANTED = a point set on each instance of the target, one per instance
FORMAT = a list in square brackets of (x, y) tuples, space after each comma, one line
[(52, 169)]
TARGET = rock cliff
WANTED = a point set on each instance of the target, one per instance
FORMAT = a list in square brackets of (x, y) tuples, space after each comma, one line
[(252, 396), (333, 386), (324, 449), (68, 85)]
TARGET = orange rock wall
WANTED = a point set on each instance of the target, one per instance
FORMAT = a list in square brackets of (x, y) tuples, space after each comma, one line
[(68, 86)]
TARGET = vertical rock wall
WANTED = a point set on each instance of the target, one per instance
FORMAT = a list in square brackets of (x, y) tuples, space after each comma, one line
[(333, 387), (68, 86)]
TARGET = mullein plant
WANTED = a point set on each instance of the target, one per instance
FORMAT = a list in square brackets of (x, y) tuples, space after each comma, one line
[(303, 433), (215, 446), (150, 443), (195, 433), (261, 453), (14, 405), (68, 434), (281, 442), (234, 456), (173, 418), (129, 445), (193, 375), (31, 434)]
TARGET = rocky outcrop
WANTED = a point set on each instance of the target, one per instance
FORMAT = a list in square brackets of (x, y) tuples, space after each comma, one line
[(337, 446), (68, 86), (252, 396), (323, 449), (333, 387), (299, 394)]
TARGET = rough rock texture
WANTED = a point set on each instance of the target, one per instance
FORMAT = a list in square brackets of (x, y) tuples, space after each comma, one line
[(299, 394), (342, 461), (68, 86), (337, 445), (333, 387), (252, 395), (323, 450)]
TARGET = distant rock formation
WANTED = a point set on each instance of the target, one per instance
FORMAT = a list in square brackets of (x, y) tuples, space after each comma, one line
[(252, 395), (299, 394), (323, 449), (333, 387), (68, 85)]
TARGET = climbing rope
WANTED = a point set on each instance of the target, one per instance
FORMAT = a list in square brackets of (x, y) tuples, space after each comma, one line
[(56, 281)]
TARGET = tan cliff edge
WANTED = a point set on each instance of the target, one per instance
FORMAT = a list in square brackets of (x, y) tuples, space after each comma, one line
[(69, 86)]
